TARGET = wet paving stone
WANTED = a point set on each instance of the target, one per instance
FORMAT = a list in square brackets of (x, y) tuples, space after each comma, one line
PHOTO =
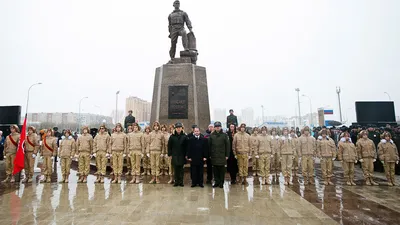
[(90, 203)]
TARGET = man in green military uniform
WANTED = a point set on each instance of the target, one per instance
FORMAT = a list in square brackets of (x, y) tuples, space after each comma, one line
[(177, 145), (231, 119), (129, 120), (219, 150)]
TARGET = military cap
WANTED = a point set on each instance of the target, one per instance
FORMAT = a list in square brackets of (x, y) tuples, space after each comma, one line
[(194, 126), (217, 124), (68, 131), (15, 127), (386, 134), (178, 124), (32, 128), (363, 132)]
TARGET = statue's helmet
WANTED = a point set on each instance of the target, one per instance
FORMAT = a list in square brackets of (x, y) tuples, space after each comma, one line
[(176, 2)]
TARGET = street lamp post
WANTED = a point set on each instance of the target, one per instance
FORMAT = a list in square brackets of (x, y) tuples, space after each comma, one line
[(388, 95), (79, 117), (116, 107), (311, 117), (27, 100), (298, 102), (262, 114), (340, 106)]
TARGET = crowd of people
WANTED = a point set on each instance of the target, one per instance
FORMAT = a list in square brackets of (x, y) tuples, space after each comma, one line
[(162, 150)]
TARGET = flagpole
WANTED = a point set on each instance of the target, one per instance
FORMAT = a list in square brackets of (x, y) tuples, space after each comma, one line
[(26, 115)]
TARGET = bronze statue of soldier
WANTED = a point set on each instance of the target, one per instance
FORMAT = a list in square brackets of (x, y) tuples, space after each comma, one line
[(176, 27)]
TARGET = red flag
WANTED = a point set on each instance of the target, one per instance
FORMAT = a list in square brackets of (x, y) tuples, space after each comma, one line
[(20, 156)]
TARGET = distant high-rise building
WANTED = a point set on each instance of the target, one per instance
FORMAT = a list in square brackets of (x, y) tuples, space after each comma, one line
[(140, 108), (68, 119), (248, 117)]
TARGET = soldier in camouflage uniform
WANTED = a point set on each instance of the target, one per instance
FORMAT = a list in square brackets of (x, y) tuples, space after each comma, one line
[(67, 152), (101, 151), (254, 145), (146, 152), (10, 150), (84, 146), (49, 151), (118, 151), (31, 150)]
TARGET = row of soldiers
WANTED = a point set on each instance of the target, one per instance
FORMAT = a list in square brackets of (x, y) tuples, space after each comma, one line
[(268, 151), (135, 146)]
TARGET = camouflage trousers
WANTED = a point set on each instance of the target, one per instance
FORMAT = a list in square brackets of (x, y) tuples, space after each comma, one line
[(29, 164), (255, 164), (9, 163), (170, 167), (164, 162), (307, 166), (146, 162), (390, 170), (101, 163), (47, 168), (286, 165), (155, 163), (275, 164), (326, 167), (295, 163), (368, 167), (264, 164), (348, 168), (243, 164), (65, 166), (129, 165), (118, 162), (84, 163)]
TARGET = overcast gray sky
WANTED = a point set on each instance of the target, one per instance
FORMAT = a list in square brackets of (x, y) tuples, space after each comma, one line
[(256, 52)]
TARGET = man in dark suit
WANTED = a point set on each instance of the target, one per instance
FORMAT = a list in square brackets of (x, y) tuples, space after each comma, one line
[(197, 154), (177, 146)]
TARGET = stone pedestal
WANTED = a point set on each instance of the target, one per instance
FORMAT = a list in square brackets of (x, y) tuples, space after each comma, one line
[(180, 94)]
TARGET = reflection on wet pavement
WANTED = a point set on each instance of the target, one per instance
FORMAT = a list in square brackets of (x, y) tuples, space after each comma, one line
[(359, 204), (79, 203)]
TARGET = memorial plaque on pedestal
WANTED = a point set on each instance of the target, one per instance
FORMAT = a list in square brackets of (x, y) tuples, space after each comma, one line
[(180, 94), (178, 102)]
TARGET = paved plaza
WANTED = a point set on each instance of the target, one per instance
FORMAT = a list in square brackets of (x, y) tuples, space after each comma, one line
[(79, 203)]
